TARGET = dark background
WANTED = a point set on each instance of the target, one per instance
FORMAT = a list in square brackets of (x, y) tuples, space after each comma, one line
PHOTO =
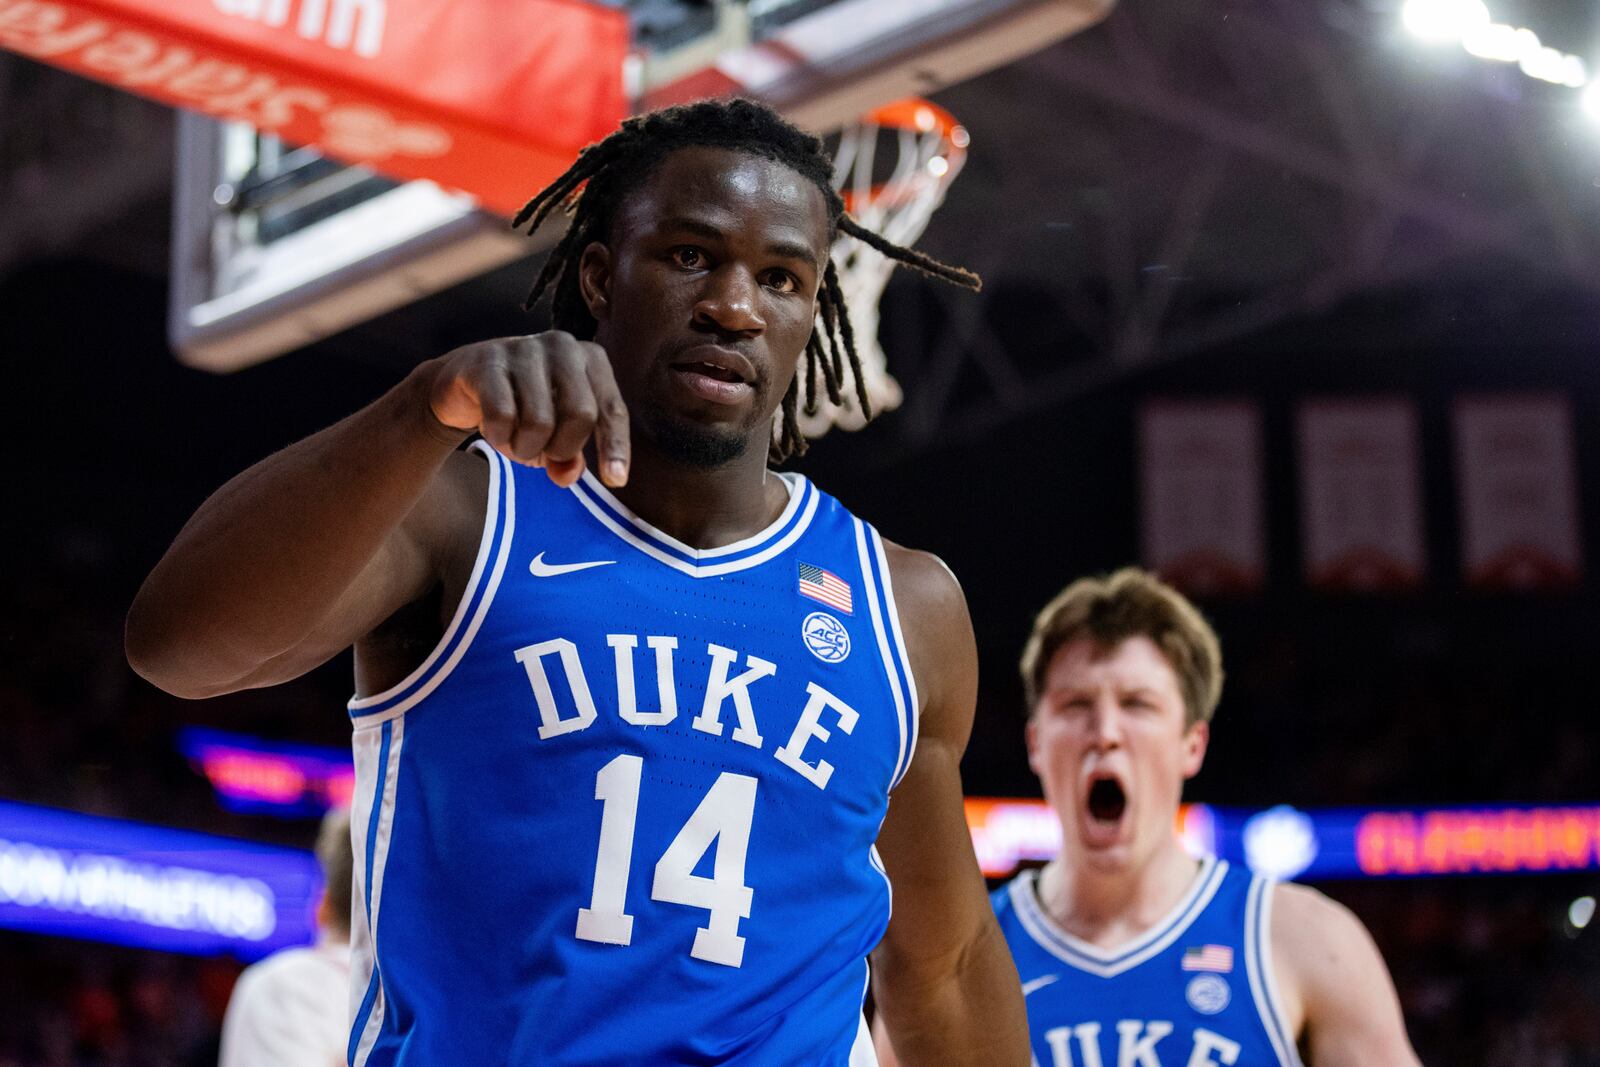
[(1318, 210)]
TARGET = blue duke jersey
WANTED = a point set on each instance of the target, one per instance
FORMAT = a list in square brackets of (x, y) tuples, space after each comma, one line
[(626, 810), (1196, 990)]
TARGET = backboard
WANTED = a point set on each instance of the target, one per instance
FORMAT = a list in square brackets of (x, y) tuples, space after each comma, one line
[(276, 246)]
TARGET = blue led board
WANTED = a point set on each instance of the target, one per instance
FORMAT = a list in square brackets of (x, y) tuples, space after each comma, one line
[(101, 879), (1329, 843), (1407, 843)]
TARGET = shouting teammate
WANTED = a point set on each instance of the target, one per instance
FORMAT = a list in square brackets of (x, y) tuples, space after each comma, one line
[(1132, 953), (625, 744)]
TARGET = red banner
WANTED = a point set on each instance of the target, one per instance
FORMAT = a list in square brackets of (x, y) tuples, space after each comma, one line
[(1519, 492), (1201, 492), (494, 98), (1361, 494)]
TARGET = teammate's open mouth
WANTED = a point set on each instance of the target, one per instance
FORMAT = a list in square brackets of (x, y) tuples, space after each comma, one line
[(1107, 800)]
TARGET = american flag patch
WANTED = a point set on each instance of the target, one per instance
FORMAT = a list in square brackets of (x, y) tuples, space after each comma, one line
[(825, 586), (1218, 958)]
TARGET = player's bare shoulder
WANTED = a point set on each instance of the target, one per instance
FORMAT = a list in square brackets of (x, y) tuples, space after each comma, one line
[(926, 591), (1312, 933), (938, 630), (445, 527), (461, 497), (922, 580), (1307, 927), (1335, 989)]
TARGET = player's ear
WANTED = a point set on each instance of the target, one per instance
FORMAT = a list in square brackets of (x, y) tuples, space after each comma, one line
[(594, 279), (1195, 741), (1031, 735)]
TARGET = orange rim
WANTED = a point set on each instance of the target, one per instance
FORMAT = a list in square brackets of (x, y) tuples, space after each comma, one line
[(921, 116)]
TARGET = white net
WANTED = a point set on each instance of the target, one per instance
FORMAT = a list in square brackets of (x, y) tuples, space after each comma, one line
[(892, 168)]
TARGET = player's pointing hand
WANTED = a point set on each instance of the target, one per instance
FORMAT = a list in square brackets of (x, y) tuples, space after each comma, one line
[(537, 400)]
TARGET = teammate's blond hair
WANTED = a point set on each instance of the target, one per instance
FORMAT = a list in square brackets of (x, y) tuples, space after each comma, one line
[(338, 866), (1130, 603)]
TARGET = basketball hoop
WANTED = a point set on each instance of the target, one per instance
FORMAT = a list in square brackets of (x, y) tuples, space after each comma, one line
[(927, 148)]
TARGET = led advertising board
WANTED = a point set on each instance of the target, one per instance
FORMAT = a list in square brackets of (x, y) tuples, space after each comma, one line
[(101, 879), (1285, 842), (259, 777)]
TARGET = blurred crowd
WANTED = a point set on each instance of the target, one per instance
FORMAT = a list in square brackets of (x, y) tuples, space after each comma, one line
[(79, 1004), (1490, 971)]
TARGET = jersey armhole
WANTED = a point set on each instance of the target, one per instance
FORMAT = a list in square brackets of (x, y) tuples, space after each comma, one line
[(1261, 973), (493, 546), (885, 617)]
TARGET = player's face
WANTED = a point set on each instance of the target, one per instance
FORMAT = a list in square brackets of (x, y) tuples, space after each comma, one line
[(1108, 742), (705, 297)]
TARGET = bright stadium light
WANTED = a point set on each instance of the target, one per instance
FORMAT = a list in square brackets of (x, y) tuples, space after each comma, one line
[(1469, 24), (1589, 100), (1580, 912), (1499, 42), (1555, 67), (1443, 21)]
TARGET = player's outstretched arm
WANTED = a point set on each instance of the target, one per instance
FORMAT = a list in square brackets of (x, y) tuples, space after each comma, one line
[(312, 548), (946, 988), (1334, 978)]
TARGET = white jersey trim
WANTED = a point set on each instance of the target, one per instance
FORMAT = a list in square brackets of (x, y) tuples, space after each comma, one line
[(862, 1054), (1108, 963), (1259, 970), (881, 630), (366, 711), (372, 862), (599, 502), (877, 864), (913, 707)]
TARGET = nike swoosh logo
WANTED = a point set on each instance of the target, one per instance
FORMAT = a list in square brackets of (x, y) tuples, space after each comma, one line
[(1039, 983), (540, 569)]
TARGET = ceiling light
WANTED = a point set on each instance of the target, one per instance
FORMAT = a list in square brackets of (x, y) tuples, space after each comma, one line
[(1443, 21)]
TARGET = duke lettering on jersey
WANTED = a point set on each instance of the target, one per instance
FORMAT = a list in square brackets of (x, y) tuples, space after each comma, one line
[(579, 711), (1138, 1045), (633, 792), (1092, 1007)]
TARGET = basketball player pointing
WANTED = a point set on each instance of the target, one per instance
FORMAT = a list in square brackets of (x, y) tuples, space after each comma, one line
[(1132, 953), (624, 744)]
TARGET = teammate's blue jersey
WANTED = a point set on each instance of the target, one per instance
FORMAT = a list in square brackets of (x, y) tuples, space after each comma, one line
[(626, 811), (1196, 990)]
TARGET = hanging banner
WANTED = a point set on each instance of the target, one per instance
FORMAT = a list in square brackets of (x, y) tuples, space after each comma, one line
[(1360, 494), (1517, 480), (493, 99), (1200, 475)]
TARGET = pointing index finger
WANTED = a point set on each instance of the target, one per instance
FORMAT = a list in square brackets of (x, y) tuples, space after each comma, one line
[(613, 445)]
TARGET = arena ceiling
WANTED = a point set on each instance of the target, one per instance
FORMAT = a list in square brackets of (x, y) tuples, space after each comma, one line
[(1178, 178)]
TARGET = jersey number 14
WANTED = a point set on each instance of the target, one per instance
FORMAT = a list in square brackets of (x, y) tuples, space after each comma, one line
[(723, 818)]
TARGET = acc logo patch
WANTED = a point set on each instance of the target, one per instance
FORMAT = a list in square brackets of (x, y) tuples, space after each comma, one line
[(826, 637), (1208, 993)]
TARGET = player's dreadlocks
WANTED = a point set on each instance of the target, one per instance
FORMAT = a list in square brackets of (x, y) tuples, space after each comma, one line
[(618, 165)]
